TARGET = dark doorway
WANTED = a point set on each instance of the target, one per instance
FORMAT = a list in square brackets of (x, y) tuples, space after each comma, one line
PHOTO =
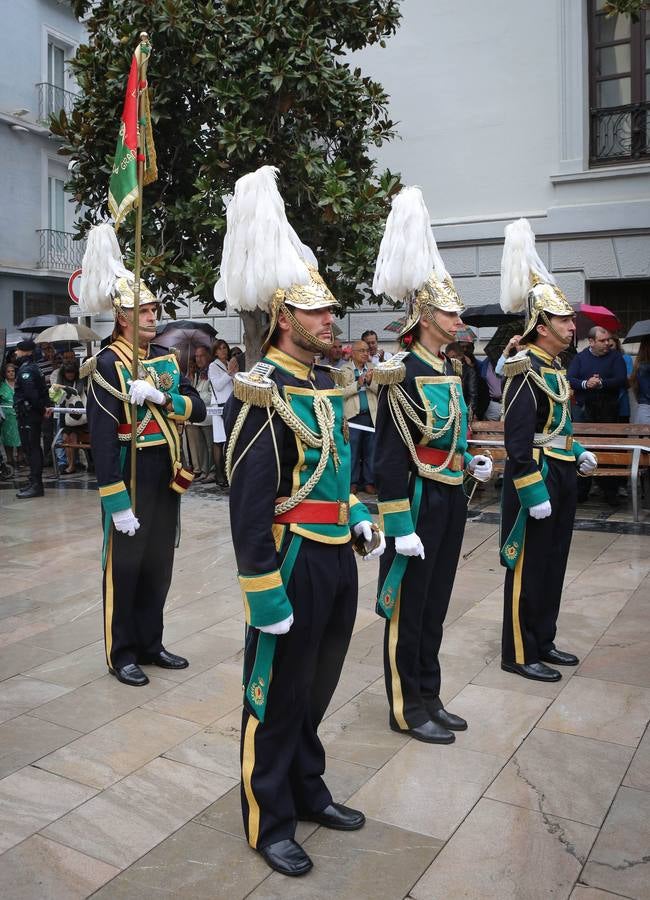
[(628, 299)]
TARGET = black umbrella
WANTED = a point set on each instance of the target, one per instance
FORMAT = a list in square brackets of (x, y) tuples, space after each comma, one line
[(40, 323), (497, 343), (185, 336), (488, 315), (637, 331)]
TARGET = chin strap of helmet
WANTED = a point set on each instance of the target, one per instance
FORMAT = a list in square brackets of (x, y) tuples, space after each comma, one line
[(448, 336), (316, 342)]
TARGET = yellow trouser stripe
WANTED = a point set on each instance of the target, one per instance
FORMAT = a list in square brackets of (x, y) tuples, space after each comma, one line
[(248, 764), (108, 600), (516, 596), (396, 684)]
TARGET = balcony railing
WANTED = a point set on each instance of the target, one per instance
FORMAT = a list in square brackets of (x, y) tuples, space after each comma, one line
[(620, 134), (52, 99), (59, 250)]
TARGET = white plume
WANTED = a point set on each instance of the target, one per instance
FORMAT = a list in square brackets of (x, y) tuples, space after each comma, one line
[(408, 252), (101, 266), (519, 262), (261, 251)]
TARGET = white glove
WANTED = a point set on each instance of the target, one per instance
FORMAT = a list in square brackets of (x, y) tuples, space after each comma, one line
[(480, 467), (541, 510), (279, 627), (140, 390), (409, 545), (587, 462), (125, 521), (365, 529)]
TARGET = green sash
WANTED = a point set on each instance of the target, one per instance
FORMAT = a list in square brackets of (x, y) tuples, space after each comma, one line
[(514, 543), (390, 588), (258, 684)]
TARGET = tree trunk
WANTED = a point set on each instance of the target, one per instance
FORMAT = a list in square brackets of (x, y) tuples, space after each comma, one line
[(255, 325)]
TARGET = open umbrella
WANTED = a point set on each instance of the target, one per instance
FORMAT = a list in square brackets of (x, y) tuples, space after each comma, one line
[(73, 332), (466, 336), (40, 323), (497, 343), (637, 331), (185, 336), (600, 315), (487, 315)]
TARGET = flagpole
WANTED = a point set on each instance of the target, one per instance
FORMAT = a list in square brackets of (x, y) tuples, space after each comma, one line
[(142, 74)]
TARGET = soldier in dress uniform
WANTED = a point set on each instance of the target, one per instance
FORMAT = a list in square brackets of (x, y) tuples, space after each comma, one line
[(138, 552), (539, 481), (421, 462), (292, 518), (31, 402)]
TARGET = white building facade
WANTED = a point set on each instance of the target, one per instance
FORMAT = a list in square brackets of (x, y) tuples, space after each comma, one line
[(37, 253)]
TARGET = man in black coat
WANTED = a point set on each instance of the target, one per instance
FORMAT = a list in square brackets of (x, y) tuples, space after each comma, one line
[(32, 403)]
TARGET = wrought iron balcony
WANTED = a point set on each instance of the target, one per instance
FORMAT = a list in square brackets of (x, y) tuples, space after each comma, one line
[(620, 134), (59, 250), (52, 99)]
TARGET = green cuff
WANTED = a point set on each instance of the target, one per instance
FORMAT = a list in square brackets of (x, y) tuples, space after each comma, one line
[(531, 490), (265, 599), (358, 512), (181, 407), (115, 497), (395, 517), (467, 456), (577, 449)]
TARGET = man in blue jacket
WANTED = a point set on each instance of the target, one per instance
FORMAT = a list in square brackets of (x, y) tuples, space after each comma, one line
[(596, 376)]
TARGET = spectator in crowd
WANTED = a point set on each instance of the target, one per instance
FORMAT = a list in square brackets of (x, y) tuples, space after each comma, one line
[(623, 397), (495, 388), (32, 403), (640, 382), (335, 356), (469, 379), (239, 356), (221, 373), (376, 354), (9, 436), (46, 362), (199, 434), (513, 346), (71, 393), (361, 409), (597, 375)]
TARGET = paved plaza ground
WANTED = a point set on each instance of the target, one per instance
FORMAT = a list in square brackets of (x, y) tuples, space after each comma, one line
[(118, 792)]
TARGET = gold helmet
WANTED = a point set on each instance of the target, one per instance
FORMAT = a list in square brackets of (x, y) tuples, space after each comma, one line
[(264, 264), (526, 284), (409, 267)]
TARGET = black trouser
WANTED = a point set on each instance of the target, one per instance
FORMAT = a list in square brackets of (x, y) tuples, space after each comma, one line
[(413, 635), (283, 760), (138, 569), (533, 590), (29, 426)]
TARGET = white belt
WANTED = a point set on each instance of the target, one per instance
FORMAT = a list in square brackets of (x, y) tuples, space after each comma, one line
[(562, 442)]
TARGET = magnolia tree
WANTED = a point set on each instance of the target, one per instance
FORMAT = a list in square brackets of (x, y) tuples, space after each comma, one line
[(234, 85)]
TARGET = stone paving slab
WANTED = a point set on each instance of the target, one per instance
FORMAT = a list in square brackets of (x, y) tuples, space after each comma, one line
[(116, 792)]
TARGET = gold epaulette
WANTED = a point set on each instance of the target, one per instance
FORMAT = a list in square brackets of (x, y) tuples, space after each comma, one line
[(256, 386), (338, 376), (393, 371), (457, 366), (89, 367), (517, 365)]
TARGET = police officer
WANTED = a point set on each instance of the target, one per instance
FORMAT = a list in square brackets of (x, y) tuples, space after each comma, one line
[(138, 551), (539, 481), (292, 515), (32, 403), (420, 463)]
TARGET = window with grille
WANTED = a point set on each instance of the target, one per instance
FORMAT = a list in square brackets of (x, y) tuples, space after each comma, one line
[(619, 86)]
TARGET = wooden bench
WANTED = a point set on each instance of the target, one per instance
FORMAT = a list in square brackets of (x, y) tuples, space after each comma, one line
[(623, 450)]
